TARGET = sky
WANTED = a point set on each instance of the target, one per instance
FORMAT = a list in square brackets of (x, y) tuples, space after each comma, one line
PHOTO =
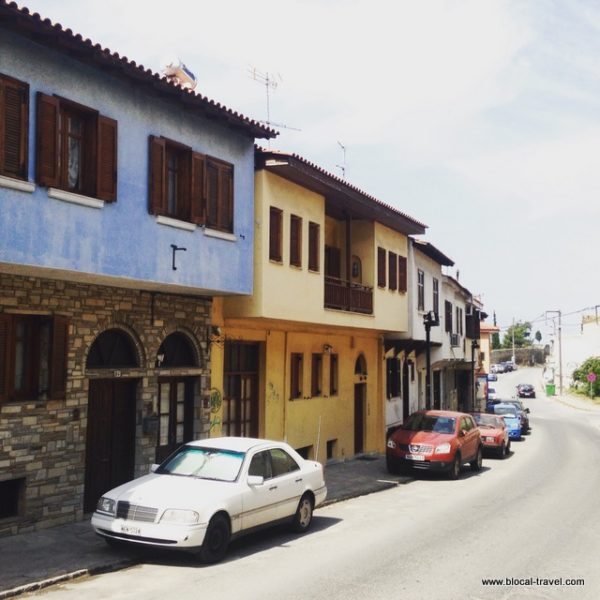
[(479, 118)]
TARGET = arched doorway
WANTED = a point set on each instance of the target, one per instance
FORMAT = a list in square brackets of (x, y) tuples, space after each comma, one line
[(174, 405), (360, 402), (110, 438)]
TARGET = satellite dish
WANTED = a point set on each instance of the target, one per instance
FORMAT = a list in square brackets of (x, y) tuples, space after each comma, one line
[(177, 72)]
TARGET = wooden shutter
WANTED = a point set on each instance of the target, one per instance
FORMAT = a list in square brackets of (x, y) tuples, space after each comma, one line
[(295, 241), (381, 267), (14, 121), (314, 245), (47, 172), (5, 326), (402, 274), (275, 226), (157, 185), (226, 198), (106, 166), (448, 315), (197, 188), (58, 357), (393, 265)]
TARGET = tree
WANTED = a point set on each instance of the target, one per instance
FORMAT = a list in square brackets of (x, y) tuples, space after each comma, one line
[(495, 341), (591, 365), (521, 331)]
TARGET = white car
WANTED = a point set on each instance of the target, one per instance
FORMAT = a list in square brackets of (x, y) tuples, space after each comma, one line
[(492, 395), (211, 491)]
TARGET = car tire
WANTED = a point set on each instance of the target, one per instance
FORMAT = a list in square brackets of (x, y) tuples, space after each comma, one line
[(304, 514), (507, 453), (216, 540), (477, 463), (502, 452), (454, 472)]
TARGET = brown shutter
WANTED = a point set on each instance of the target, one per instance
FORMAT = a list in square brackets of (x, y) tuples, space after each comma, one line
[(392, 266), (197, 188), (275, 222), (333, 262), (5, 322), (58, 357), (47, 172), (295, 241), (402, 274), (314, 246), (106, 167), (157, 185), (381, 267), (14, 120)]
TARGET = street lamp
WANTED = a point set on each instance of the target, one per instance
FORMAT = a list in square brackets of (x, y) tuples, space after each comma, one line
[(430, 319), (474, 346)]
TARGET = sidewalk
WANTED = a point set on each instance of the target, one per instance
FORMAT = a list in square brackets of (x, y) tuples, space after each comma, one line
[(35, 560)]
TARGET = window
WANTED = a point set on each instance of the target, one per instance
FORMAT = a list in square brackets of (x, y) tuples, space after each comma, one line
[(33, 357), (314, 246), (316, 378), (459, 320), (393, 272), (12, 495), (381, 267), (448, 316), (275, 233), (402, 274), (296, 376), (393, 378), (295, 241), (420, 290), (76, 148), (14, 127), (436, 296), (333, 374), (282, 463)]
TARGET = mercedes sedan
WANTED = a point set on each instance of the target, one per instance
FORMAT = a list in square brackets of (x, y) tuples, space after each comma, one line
[(209, 492)]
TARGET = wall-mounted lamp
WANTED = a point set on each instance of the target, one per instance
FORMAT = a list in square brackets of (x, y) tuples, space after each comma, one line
[(176, 249), (327, 348), (159, 359)]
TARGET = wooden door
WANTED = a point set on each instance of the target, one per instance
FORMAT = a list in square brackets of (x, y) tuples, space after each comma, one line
[(359, 417), (175, 411), (110, 445)]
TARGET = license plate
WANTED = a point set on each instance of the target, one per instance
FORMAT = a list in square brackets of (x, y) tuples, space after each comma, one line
[(415, 457), (130, 530)]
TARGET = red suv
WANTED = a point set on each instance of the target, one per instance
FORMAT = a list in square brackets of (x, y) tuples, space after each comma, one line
[(435, 440)]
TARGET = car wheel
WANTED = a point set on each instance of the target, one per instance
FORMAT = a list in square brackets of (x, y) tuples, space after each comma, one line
[(478, 462), (304, 514), (216, 540), (502, 451), (454, 472), (507, 449)]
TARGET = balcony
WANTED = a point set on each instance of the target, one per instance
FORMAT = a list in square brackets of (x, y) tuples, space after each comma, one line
[(345, 295)]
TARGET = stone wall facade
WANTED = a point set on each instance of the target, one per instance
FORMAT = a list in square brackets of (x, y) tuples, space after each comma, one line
[(43, 441)]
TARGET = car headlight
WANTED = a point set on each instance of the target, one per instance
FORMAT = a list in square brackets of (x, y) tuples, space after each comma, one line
[(106, 505), (442, 449), (391, 443), (180, 517)]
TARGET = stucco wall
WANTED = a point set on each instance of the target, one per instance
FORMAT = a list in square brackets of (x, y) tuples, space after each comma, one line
[(122, 240)]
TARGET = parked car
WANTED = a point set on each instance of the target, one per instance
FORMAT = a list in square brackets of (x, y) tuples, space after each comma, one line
[(492, 377), (491, 395), (435, 440), (523, 413), (510, 414), (494, 434), (509, 365), (525, 390), (497, 368), (209, 492)]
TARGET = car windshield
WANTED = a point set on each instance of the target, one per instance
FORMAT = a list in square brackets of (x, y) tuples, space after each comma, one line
[(510, 411), (436, 423), (486, 421), (205, 463)]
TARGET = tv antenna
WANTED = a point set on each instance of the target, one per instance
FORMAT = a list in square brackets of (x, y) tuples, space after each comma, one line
[(270, 82), (343, 165)]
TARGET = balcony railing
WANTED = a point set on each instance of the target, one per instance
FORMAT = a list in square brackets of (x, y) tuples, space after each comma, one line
[(345, 295)]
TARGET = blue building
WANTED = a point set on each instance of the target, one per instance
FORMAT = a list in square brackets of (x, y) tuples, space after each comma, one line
[(126, 204)]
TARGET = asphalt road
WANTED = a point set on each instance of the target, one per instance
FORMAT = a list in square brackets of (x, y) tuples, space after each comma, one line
[(532, 516)]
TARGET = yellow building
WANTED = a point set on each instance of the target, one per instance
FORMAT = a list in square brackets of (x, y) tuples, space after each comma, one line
[(302, 359)]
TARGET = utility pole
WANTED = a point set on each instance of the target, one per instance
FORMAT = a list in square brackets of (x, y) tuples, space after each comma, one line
[(430, 319), (560, 369), (513, 343)]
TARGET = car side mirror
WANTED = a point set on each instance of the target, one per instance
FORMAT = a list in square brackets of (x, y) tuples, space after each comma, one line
[(254, 480), (462, 433)]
